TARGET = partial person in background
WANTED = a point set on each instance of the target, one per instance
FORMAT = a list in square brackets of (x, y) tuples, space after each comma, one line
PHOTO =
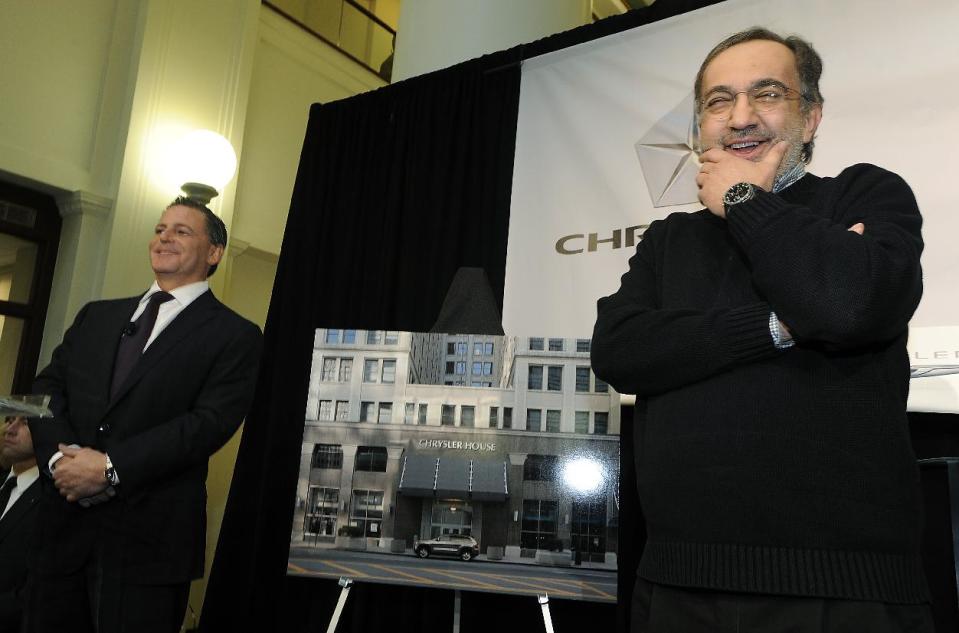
[(767, 333), (19, 494), (143, 391)]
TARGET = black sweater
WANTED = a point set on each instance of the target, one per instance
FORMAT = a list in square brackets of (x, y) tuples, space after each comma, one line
[(765, 470)]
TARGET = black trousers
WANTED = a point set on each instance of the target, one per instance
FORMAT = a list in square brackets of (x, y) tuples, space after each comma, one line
[(665, 609), (90, 602)]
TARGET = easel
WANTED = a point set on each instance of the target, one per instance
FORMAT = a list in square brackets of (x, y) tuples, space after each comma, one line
[(347, 583)]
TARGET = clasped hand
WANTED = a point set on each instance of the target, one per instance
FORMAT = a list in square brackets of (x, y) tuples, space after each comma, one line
[(721, 170), (80, 472)]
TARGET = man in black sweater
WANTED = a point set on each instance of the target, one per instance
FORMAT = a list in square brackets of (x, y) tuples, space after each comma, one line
[(767, 334)]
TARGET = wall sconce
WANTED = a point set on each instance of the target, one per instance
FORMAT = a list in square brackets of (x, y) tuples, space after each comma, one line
[(204, 162)]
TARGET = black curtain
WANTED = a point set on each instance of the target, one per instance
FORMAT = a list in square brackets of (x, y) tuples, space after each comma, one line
[(396, 190)]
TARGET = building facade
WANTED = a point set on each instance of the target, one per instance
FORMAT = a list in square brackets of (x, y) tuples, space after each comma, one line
[(409, 436)]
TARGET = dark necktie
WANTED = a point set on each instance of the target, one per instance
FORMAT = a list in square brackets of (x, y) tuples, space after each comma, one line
[(5, 492), (132, 344)]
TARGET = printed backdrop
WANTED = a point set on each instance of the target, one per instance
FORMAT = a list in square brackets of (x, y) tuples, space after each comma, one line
[(605, 137)]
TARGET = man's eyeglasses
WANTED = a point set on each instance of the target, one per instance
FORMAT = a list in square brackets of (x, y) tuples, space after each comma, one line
[(719, 103)]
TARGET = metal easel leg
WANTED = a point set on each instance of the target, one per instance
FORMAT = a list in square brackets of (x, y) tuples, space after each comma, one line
[(457, 603), (544, 605), (346, 584)]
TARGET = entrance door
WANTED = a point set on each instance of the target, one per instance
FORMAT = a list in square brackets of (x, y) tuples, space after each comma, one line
[(451, 516), (588, 529), (29, 238)]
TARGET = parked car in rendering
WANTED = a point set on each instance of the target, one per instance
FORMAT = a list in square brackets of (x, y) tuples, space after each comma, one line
[(459, 545)]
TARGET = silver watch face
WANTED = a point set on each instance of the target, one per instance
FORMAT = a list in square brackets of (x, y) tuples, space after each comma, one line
[(739, 192)]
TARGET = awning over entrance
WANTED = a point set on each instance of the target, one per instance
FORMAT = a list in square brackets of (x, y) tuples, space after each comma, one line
[(482, 480)]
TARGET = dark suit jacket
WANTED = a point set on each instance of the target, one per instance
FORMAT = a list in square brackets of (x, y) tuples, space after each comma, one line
[(182, 401), (16, 539)]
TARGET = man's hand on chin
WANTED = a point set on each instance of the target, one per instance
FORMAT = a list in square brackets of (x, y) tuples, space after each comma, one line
[(721, 170), (79, 473)]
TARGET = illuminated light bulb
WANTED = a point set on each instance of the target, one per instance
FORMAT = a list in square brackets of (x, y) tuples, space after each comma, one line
[(204, 162)]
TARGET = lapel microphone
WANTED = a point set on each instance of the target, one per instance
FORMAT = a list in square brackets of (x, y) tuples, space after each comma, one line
[(129, 329)]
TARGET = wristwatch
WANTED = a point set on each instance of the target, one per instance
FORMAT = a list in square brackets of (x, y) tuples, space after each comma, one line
[(738, 193), (110, 473)]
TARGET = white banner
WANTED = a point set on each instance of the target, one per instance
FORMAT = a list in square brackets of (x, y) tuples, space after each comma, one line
[(604, 147)]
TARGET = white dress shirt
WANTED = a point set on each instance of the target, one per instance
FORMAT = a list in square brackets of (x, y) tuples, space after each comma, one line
[(182, 297), (24, 481)]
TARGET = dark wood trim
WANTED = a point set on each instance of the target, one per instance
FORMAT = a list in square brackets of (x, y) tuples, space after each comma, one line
[(46, 235), (333, 45)]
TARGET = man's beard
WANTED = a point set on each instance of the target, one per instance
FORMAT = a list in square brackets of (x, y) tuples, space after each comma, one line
[(793, 134)]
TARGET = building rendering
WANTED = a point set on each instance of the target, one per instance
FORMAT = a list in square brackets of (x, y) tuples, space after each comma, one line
[(410, 436)]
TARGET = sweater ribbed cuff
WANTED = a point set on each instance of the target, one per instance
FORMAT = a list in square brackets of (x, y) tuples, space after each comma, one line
[(745, 333), (745, 218)]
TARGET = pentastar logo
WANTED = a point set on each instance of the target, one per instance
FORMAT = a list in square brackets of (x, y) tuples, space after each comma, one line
[(668, 159)]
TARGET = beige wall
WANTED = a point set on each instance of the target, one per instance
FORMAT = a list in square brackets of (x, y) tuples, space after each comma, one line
[(64, 79)]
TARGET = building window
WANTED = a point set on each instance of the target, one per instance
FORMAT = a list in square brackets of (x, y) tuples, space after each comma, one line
[(600, 386), (535, 379), (461, 368), (349, 336), (554, 378), (468, 416), (477, 368), (461, 348), (371, 459), (487, 369), (507, 417), (488, 349), (536, 345), (450, 367), (370, 367), (329, 370), (346, 369), (342, 410), (534, 419), (583, 344), (332, 337), (582, 421), (327, 456), (600, 422), (540, 468), (582, 378), (322, 505), (384, 413), (421, 419), (326, 410), (391, 337), (552, 420), (367, 511), (556, 345), (448, 417), (374, 337), (408, 413), (539, 525), (477, 349), (389, 371), (493, 417), (451, 348), (366, 412)]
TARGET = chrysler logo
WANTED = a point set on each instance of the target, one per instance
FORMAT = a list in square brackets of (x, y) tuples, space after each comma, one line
[(667, 158)]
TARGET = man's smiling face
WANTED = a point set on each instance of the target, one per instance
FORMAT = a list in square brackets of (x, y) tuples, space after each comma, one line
[(744, 131), (180, 251)]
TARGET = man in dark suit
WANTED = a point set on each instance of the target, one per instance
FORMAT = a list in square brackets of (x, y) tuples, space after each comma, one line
[(122, 526), (19, 494)]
